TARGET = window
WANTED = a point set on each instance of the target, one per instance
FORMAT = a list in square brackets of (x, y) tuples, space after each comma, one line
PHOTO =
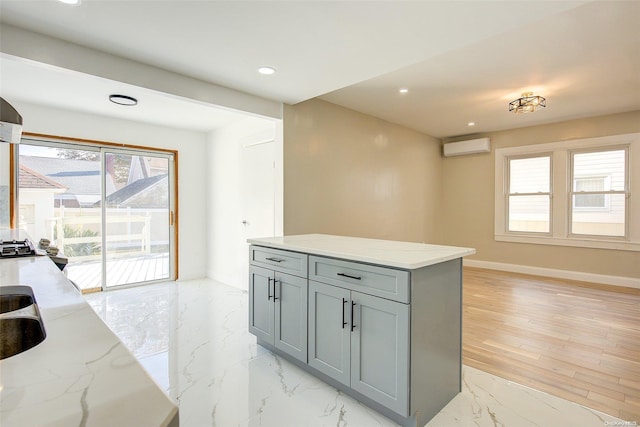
[(593, 199), (529, 195), (27, 214), (573, 193), (599, 203)]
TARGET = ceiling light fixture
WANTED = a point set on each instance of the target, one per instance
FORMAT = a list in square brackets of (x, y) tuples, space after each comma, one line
[(123, 100), (70, 2), (471, 124), (267, 71), (403, 90), (528, 103)]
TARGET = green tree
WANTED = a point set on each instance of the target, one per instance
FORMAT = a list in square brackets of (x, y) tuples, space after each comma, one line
[(80, 249), (70, 153)]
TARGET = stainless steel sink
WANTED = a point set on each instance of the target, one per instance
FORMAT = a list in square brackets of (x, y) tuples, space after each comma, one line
[(15, 297), (18, 334), (21, 326)]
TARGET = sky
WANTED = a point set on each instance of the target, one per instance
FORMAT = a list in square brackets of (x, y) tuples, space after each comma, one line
[(34, 150)]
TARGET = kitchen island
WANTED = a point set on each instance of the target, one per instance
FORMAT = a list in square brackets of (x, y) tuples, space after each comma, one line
[(380, 320), (81, 374)]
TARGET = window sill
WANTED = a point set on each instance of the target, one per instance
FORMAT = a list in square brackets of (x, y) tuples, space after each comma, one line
[(574, 242)]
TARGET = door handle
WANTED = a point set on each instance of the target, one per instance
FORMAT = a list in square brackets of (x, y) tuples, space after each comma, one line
[(353, 325), (344, 323), (269, 288), (274, 289)]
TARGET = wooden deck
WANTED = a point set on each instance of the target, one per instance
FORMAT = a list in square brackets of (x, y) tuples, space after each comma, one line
[(122, 271)]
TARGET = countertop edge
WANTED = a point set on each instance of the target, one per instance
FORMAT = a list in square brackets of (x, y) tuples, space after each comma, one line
[(452, 252), (98, 354)]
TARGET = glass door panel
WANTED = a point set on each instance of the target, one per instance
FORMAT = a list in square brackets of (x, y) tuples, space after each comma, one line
[(137, 207), (60, 193)]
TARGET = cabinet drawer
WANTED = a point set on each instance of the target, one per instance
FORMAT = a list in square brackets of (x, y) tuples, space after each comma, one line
[(369, 279), (284, 261)]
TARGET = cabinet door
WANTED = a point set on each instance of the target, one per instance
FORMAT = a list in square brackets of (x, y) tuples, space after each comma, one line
[(380, 351), (290, 294), (261, 315), (329, 330)]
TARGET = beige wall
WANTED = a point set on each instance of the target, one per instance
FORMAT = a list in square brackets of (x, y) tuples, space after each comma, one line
[(352, 174), (467, 204)]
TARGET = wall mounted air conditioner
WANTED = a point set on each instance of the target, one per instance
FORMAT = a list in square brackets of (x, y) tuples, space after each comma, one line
[(472, 146)]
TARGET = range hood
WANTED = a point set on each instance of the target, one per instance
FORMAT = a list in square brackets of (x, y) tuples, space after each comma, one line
[(10, 123)]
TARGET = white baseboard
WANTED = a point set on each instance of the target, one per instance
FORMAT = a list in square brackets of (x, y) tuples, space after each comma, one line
[(629, 282), (227, 279)]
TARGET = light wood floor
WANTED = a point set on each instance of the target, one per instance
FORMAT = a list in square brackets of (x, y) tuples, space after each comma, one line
[(575, 340)]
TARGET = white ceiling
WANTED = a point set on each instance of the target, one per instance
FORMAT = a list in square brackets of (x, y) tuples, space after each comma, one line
[(461, 60), (59, 88)]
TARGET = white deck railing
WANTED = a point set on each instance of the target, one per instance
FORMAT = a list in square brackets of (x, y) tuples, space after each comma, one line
[(131, 238)]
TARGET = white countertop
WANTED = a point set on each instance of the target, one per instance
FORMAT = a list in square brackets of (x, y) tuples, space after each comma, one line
[(81, 374), (390, 253)]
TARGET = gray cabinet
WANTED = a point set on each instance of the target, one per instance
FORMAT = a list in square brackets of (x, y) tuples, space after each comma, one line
[(275, 259), (383, 282), (290, 301), (380, 351), (261, 306), (361, 341), (330, 331), (278, 310), (390, 337)]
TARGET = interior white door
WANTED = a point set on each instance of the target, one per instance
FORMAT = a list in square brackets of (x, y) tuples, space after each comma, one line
[(257, 196)]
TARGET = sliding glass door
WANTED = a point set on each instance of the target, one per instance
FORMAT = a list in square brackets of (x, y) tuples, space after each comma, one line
[(137, 212), (109, 211)]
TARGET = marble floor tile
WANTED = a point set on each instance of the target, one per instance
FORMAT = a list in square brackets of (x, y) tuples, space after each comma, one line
[(192, 338)]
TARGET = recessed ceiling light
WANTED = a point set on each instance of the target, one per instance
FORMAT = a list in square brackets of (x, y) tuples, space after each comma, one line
[(267, 71), (471, 124), (123, 100), (70, 2), (403, 90)]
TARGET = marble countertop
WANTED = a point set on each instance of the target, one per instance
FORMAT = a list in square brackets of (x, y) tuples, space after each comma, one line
[(81, 374), (390, 253)]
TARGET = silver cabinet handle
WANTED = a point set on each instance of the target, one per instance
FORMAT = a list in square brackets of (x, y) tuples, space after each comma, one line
[(274, 259)]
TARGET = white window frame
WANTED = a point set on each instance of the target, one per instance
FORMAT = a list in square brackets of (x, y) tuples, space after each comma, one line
[(561, 190), (607, 193), (549, 193)]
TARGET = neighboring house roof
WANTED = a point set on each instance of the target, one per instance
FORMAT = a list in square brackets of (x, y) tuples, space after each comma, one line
[(78, 176), (147, 192), (29, 178)]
